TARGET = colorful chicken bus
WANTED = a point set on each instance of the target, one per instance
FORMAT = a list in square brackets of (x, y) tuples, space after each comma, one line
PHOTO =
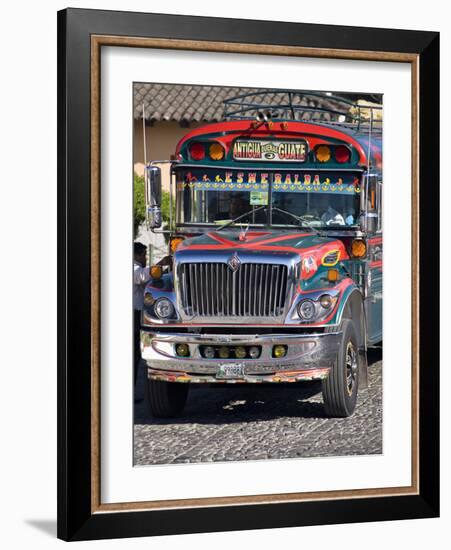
[(275, 266)]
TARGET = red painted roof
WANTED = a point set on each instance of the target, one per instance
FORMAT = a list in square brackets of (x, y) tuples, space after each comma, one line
[(232, 129)]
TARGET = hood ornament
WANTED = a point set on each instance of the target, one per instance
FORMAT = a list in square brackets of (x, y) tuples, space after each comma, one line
[(234, 262), (243, 232)]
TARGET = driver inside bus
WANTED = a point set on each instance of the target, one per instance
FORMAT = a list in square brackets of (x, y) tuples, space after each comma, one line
[(332, 217)]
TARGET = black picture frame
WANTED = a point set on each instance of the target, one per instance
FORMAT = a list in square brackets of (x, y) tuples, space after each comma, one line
[(76, 518)]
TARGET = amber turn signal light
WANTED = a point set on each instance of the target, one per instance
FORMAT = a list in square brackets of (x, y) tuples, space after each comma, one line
[(216, 151), (332, 275), (174, 243), (156, 272), (323, 153), (358, 248)]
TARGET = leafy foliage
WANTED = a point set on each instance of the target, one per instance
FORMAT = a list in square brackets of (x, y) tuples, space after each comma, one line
[(165, 208), (139, 204)]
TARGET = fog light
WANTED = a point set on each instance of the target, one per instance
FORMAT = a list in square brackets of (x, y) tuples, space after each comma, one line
[(209, 352), (254, 352), (182, 350), (223, 352), (240, 352), (279, 351)]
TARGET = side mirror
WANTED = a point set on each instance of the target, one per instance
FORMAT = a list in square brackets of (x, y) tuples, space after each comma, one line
[(369, 222), (369, 218), (153, 196)]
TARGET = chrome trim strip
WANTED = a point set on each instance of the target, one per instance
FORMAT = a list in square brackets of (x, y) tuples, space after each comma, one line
[(249, 339), (304, 168)]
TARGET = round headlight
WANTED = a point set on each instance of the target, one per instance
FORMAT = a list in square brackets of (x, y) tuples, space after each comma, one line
[(306, 310), (325, 301), (163, 308), (240, 352)]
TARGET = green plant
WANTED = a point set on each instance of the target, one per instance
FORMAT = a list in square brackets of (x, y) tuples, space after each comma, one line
[(165, 207), (139, 204)]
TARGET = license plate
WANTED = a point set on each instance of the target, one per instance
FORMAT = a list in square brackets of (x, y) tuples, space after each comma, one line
[(230, 370)]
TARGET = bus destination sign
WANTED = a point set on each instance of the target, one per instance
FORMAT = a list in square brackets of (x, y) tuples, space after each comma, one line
[(287, 151)]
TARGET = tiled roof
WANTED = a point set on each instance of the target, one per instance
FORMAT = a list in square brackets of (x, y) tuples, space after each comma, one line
[(185, 103)]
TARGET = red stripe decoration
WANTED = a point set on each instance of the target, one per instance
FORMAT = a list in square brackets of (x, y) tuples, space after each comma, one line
[(377, 263), (375, 240)]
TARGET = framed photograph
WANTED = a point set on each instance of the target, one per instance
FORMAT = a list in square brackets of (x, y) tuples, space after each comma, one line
[(248, 274)]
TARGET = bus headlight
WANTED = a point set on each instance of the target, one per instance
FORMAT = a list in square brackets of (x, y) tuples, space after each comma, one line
[(316, 310), (163, 308), (306, 310)]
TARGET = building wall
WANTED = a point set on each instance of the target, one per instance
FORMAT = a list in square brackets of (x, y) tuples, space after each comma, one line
[(162, 139)]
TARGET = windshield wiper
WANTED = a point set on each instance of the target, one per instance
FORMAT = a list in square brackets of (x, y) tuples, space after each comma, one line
[(302, 222), (241, 217)]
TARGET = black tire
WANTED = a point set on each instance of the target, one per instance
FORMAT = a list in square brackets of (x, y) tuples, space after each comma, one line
[(341, 387), (165, 399)]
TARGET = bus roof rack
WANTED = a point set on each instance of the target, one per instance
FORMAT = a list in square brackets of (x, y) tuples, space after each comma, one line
[(303, 105)]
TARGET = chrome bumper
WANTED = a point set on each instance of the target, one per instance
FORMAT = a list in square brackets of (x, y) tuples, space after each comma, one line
[(309, 357)]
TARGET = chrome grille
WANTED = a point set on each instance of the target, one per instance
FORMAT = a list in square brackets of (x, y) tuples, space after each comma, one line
[(214, 290)]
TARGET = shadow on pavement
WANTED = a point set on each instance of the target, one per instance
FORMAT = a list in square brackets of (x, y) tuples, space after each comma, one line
[(238, 404)]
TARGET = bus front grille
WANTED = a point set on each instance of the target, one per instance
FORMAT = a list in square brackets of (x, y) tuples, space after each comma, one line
[(215, 290)]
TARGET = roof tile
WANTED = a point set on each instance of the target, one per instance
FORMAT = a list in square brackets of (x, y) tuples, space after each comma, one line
[(180, 102)]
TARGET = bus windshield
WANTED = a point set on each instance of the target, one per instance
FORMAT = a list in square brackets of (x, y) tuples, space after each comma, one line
[(288, 199)]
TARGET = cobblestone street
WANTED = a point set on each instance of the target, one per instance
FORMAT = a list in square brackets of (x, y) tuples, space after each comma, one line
[(255, 422)]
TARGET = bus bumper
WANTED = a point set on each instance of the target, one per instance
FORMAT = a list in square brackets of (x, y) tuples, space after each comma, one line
[(308, 357)]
